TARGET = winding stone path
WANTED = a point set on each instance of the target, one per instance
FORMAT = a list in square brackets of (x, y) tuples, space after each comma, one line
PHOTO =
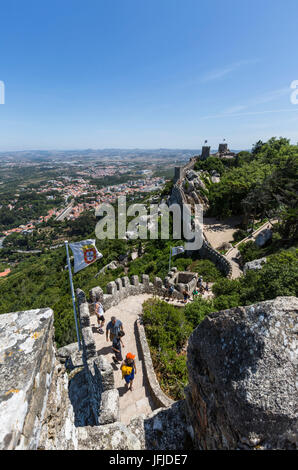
[(137, 401), (233, 253)]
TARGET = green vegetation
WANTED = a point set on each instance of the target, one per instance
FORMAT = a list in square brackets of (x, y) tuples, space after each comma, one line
[(278, 277), (206, 269), (259, 185), (263, 183), (28, 206), (167, 331), (212, 163), (42, 281), (196, 311)]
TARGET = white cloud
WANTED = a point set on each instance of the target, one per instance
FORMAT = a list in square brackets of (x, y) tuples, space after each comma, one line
[(220, 73), (250, 113), (267, 97)]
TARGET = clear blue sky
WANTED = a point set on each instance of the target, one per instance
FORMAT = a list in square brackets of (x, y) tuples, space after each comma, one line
[(147, 73)]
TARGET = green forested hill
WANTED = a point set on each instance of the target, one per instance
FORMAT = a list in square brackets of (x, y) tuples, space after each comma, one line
[(263, 183), (259, 184)]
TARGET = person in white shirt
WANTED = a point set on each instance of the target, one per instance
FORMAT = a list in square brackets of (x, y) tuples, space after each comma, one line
[(99, 311)]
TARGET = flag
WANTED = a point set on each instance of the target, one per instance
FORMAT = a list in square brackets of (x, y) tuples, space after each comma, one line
[(176, 250), (84, 253)]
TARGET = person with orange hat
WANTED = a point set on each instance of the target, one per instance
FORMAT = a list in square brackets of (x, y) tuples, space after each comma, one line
[(128, 368)]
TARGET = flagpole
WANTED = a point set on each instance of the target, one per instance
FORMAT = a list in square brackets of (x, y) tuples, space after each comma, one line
[(72, 294)]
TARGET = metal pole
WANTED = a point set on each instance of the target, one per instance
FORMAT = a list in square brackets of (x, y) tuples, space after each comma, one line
[(72, 294)]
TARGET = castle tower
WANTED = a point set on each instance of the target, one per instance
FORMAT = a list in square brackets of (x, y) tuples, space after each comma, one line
[(178, 173), (205, 153), (223, 148)]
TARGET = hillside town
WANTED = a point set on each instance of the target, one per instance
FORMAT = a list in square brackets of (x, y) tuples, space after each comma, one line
[(74, 189)]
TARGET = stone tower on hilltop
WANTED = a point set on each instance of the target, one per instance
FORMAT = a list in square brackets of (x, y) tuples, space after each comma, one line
[(205, 152)]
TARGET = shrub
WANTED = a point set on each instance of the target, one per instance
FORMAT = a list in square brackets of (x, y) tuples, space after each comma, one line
[(167, 331), (196, 311), (239, 235), (207, 269), (249, 251)]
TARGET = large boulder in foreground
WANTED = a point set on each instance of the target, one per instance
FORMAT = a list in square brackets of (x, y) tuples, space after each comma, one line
[(241, 365)]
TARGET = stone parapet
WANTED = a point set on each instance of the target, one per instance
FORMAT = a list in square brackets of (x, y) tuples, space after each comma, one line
[(27, 361), (160, 398)]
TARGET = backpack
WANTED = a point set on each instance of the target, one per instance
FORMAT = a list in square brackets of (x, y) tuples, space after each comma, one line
[(126, 370)]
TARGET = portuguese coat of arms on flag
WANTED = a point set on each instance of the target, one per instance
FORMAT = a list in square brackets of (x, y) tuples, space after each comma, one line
[(84, 253)]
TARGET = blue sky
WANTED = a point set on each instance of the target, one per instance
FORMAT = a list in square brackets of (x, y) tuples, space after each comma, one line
[(147, 73)]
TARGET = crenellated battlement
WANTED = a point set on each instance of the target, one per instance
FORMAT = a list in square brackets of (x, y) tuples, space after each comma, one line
[(125, 287)]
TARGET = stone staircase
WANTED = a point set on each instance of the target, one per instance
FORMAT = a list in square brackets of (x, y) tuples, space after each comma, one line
[(138, 401)]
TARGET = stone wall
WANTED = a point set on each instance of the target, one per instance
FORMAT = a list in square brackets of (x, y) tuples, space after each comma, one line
[(206, 251), (45, 395), (241, 394), (124, 287), (242, 377), (160, 398), (27, 359), (102, 395)]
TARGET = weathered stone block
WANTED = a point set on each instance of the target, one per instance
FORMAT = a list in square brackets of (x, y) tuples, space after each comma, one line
[(242, 370), (165, 429), (111, 288), (135, 280), (109, 408), (145, 280), (157, 282), (114, 436), (88, 342), (66, 351), (81, 296), (107, 373), (96, 294), (254, 265), (263, 237), (118, 283), (26, 365), (125, 281), (84, 315)]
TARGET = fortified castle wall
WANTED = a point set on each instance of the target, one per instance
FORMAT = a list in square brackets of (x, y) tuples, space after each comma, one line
[(241, 368), (206, 251), (241, 393)]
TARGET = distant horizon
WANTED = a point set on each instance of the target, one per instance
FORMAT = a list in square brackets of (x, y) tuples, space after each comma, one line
[(148, 149)]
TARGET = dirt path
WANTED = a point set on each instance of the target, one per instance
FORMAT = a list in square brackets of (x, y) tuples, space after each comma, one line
[(233, 253), (218, 232)]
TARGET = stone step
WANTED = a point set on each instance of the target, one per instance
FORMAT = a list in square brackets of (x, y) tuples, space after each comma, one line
[(132, 403), (143, 406)]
